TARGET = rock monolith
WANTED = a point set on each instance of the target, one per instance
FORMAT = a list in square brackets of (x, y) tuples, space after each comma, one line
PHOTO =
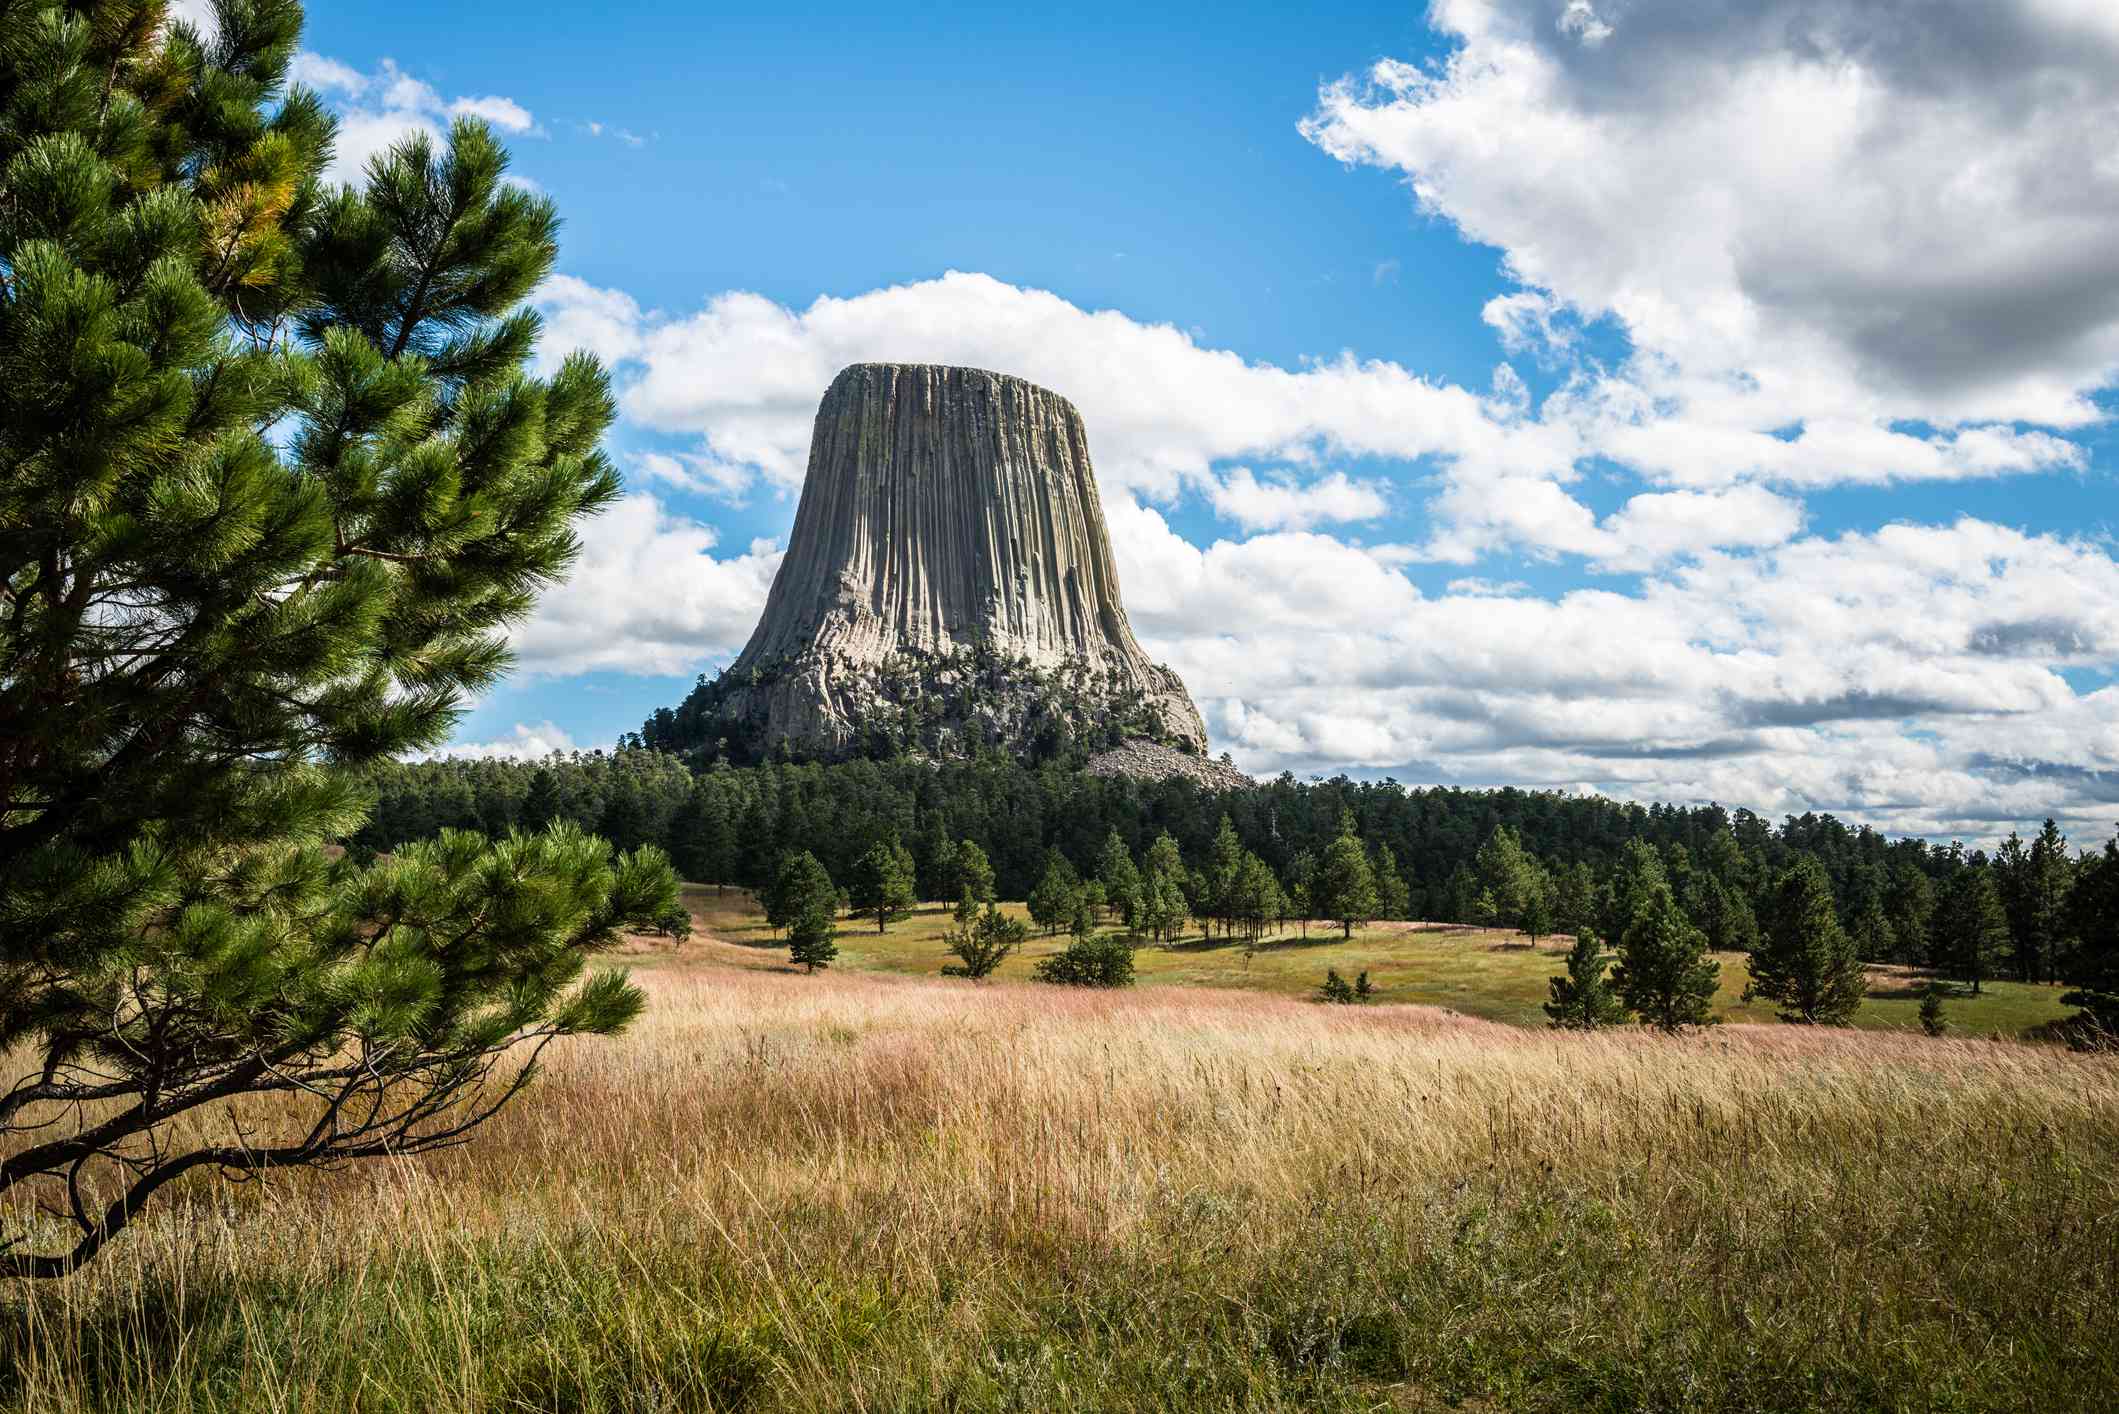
[(948, 585)]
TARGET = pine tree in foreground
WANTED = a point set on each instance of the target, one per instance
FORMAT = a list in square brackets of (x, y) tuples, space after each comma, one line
[(1583, 999), (274, 479), (1806, 961), (1932, 1019)]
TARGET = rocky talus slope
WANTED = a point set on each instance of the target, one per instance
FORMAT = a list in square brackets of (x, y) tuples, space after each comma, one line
[(948, 585)]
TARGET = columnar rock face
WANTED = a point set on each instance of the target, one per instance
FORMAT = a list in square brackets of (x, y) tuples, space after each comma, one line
[(949, 581)]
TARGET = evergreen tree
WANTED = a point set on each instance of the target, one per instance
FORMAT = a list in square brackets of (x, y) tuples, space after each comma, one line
[(1932, 1019), (882, 887), (1636, 879), (1724, 915), (1300, 888), (540, 807), (1163, 857), (1083, 924), (800, 886), (1909, 902), (1164, 909), (1664, 975), (2048, 882), (1583, 1000), (706, 834), (1874, 940), (1090, 962), (1504, 875), (1346, 886), (983, 943), (274, 480), (1120, 876), (2092, 966), (624, 819), (1536, 919), (967, 908), (1969, 929), (1254, 897), (1806, 961), (938, 875), (1574, 898), (1393, 898), (812, 938), (974, 871), (1053, 901), (1217, 900)]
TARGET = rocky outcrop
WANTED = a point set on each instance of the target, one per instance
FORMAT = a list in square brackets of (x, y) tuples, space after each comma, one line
[(1153, 761), (948, 584)]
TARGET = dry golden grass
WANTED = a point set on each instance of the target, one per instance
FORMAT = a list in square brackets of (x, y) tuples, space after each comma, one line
[(878, 1192), (868, 1192)]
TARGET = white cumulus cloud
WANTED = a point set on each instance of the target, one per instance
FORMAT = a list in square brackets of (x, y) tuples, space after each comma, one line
[(376, 110)]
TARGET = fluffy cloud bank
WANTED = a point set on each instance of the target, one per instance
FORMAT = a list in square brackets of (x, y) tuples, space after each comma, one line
[(1840, 214), (1165, 415)]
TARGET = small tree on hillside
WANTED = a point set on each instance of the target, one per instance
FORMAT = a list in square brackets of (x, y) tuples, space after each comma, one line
[(1665, 975), (1806, 961), (811, 938), (1340, 992), (983, 944), (967, 908), (1583, 999), (1536, 917), (799, 887), (1090, 962), (974, 871), (883, 886), (1054, 900), (1346, 886)]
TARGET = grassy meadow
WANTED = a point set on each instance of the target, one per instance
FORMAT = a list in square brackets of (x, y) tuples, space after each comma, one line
[(866, 1191), (1493, 974)]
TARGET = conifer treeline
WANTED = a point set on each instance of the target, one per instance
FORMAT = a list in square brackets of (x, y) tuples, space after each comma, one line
[(1522, 858)]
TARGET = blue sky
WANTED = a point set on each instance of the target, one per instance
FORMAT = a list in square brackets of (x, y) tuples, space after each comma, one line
[(1701, 400)]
